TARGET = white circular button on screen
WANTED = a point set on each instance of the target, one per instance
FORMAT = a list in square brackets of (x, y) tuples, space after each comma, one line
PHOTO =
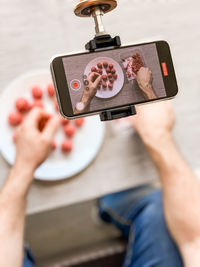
[(75, 85), (80, 106)]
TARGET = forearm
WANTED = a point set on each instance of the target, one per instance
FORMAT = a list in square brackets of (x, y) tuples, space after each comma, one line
[(175, 174), (170, 163), (181, 194), (12, 213), (84, 110), (191, 255)]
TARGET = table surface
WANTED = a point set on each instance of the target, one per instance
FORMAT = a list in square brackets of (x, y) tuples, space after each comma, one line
[(32, 32)]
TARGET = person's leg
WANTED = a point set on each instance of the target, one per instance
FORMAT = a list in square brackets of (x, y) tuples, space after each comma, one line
[(114, 208), (28, 258), (142, 224)]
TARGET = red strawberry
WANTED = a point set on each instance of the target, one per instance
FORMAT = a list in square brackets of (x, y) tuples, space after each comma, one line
[(22, 104), (50, 90), (15, 118), (69, 130), (37, 92), (79, 122), (67, 146)]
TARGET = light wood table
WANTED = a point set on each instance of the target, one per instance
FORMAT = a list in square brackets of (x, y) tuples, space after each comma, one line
[(32, 32)]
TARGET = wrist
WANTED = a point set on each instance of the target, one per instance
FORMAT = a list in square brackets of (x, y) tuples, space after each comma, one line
[(22, 166), (86, 101), (165, 155), (19, 180), (160, 147), (148, 91), (157, 141)]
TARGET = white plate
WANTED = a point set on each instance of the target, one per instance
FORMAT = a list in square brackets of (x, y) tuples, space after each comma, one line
[(58, 165), (118, 84)]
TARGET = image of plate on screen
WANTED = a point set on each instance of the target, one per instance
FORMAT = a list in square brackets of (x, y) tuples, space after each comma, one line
[(112, 76)]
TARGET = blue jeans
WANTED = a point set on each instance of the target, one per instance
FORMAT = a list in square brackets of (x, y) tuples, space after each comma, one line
[(28, 258), (139, 216)]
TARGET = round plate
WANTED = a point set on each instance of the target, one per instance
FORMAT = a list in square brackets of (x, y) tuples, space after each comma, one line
[(118, 84), (58, 165)]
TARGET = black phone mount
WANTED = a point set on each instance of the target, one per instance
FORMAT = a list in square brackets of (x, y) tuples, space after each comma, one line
[(96, 44), (102, 41)]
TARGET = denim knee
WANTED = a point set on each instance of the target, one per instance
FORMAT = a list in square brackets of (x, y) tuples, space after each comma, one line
[(149, 219), (152, 241)]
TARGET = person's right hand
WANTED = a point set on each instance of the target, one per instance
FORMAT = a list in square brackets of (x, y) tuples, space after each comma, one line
[(91, 85), (154, 121), (33, 144)]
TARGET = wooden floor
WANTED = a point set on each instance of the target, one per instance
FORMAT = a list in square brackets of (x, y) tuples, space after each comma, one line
[(67, 233)]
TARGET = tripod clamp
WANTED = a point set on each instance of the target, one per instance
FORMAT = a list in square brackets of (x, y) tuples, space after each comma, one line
[(98, 43), (101, 41)]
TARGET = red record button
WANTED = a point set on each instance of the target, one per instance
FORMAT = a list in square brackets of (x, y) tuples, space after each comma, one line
[(164, 68), (75, 85)]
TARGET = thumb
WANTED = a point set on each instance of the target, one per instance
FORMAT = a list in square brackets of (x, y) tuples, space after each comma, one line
[(51, 128)]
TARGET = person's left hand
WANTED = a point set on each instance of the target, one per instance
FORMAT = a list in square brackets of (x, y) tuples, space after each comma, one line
[(144, 79), (33, 140), (154, 121)]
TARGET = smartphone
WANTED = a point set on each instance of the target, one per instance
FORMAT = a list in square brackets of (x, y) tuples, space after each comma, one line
[(90, 83)]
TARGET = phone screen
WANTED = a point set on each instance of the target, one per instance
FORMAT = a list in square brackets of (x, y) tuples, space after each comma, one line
[(114, 78)]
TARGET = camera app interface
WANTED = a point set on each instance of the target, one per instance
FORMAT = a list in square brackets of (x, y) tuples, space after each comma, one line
[(114, 78)]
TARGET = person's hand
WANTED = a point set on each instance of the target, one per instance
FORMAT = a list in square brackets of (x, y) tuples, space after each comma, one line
[(91, 85), (154, 121), (144, 79), (33, 140)]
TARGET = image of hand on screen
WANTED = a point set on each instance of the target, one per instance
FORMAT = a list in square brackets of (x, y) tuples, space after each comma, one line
[(144, 79), (91, 85)]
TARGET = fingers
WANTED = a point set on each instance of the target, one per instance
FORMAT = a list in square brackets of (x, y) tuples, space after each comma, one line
[(51, 128), (34, 116), (97, 82), (93, 76), (144, 69), (47, 128)]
